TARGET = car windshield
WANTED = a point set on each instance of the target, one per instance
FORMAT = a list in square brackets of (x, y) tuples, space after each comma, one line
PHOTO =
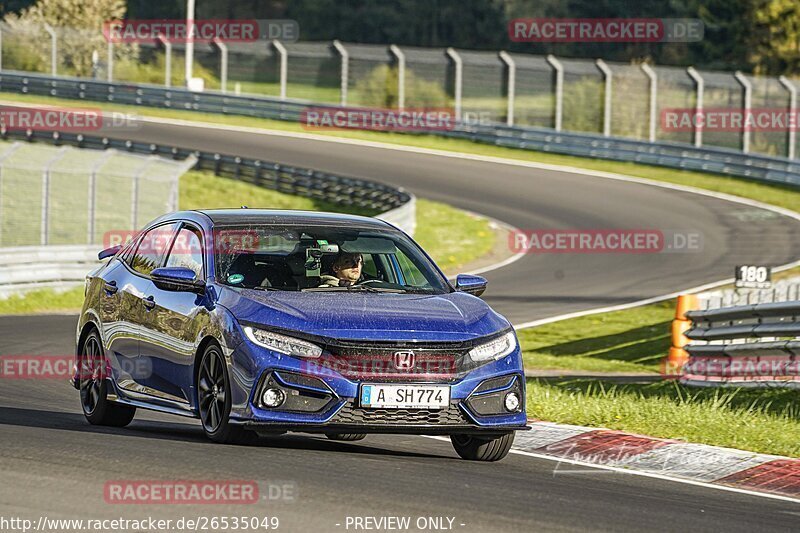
[(324, 259)]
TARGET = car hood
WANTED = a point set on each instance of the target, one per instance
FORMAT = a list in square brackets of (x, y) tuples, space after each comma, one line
[(364, 316)]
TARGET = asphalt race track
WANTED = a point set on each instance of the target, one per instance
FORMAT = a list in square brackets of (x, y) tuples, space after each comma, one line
[(53, 463)]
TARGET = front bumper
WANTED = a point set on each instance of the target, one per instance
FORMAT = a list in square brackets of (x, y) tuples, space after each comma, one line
[(326, 402)]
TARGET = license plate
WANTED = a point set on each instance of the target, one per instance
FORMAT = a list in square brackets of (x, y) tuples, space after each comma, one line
[(405, 396)]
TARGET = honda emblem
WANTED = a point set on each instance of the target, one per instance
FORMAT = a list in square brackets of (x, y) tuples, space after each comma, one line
[(404, 360)]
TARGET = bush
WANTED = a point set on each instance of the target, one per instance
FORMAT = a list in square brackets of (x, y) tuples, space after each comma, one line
[(380, 89)]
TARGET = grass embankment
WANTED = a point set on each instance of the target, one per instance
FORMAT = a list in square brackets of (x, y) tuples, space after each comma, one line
[(766, 421), (452, 237)]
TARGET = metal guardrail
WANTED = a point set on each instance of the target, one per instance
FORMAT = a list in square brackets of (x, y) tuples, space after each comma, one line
[(665, 154), (31, 267), (748, 345)]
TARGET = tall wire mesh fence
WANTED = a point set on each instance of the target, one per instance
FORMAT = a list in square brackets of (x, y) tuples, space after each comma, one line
[(518, 89), (61, 195), (535, 91), (485, 86)]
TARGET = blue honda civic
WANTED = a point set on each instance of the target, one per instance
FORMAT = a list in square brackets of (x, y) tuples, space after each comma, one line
[(261, 322)]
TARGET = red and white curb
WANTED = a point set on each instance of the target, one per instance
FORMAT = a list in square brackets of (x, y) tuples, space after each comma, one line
[(725, 468)]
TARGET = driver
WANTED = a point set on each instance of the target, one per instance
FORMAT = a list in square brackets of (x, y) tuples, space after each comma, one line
[(346, 270)]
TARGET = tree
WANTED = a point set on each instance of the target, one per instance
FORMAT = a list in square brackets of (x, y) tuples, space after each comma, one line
[(776, 39), (80, 25)]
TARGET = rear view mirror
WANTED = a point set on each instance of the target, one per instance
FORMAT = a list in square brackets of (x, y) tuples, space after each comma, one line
[(109, 252), (177, 279), (474, 285)]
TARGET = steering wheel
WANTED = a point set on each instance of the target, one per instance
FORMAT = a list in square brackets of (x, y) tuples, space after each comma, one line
[(369, 281)]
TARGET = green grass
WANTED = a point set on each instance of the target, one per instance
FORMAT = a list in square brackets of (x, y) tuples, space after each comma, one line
[(766, 421), (452, 237), (632, 340), (42, 301)]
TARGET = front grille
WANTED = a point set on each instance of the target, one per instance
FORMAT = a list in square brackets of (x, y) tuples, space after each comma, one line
[(352, 415), (378, 362)]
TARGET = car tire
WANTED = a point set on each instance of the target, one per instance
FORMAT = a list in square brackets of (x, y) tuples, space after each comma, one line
[(214, 400), (93, 385), (476, 448), (347, 437)]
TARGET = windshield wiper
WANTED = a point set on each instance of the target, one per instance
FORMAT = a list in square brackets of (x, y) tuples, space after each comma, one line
[(260, 288), (369, 288), (354, 288)]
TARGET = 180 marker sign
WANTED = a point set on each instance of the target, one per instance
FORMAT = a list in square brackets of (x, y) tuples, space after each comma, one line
[(753, 277)]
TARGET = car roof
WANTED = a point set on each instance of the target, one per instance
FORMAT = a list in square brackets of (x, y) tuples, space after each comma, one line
[(225, 217)]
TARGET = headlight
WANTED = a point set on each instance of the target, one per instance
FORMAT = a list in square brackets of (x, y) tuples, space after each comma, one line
[(282, 343), (495, 349)]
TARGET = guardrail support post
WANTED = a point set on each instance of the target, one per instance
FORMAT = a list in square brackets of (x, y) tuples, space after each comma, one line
[(608, 80), (345, 71), (283, 65), (748, 104), (459, 65), (698, 108), (110, 63), (653, 102), (512, 82), (223, 63), (559, 100), (401, 75), (791, 127), (53, 48)]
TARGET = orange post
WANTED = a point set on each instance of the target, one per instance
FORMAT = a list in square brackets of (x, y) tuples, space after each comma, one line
[(678, 356)]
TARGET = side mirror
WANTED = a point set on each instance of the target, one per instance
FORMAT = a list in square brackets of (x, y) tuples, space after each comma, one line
[(177, 279), (474, 285), (109, 252)]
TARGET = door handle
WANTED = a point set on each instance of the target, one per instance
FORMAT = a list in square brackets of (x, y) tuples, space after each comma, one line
[(149, 302), (110, 287)]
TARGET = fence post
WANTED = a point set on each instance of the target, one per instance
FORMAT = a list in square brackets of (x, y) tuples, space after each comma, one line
[(223, 63), (45, 226), (608, 78), (559, 103), (748, 104), (137, 176), (698, 109), (284, 65), (452, 54), (401, 75), (14, 147), (53, 48), (168, 66), (653, 77), (345, 71), (791, 129), (93, 193), (512, 82), (110, 62)]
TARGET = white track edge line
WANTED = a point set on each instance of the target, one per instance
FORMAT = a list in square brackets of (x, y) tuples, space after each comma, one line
[(643, 473)]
